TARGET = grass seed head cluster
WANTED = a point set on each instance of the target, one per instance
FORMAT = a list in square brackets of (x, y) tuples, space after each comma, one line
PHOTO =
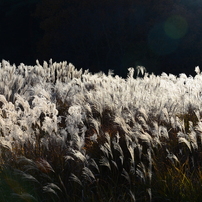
[(69, 135)]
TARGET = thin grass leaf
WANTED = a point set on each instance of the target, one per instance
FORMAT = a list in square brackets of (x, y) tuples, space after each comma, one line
[(193, 140), (142, 113), (29, 178), (108, 147), (145, 138), (104, 151), (132, 155), (126, 176), (117, 148), (105, 162), (92, 163), (44, 166), (74, 178), (141, 172), (88, 175), (52, 189), (132, 196), (172, 157), (75, 155), (164, 116), (22, 160), (163, 132), (24, 197), (184, 141), (114, 164)]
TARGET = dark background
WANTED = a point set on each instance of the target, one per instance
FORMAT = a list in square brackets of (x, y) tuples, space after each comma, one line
[(162, 35)]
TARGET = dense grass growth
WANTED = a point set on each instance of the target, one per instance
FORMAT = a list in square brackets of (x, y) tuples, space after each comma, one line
[(69, 135)]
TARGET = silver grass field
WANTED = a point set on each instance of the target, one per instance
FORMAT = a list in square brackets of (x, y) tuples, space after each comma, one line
[(70, 135)]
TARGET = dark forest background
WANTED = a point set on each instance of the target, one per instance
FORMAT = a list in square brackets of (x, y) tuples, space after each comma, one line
[(162, 35)]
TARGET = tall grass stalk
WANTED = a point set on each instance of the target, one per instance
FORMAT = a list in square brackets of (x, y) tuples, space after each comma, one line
[(69, 135)]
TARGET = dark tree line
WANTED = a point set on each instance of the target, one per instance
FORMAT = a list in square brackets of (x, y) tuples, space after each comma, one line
[(162, 35)]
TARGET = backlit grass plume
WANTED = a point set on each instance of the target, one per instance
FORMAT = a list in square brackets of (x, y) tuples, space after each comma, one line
[(70, 135)]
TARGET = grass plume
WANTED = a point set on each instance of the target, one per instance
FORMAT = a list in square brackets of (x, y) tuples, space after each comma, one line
[(69, 135)]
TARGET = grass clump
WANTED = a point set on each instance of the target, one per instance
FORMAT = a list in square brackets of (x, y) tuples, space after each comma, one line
[(69, 135)]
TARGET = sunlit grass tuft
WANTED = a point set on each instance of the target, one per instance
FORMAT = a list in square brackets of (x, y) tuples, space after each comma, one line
[(69, 135)]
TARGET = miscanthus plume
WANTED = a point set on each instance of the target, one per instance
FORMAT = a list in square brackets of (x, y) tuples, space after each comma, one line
[(97, 135)]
